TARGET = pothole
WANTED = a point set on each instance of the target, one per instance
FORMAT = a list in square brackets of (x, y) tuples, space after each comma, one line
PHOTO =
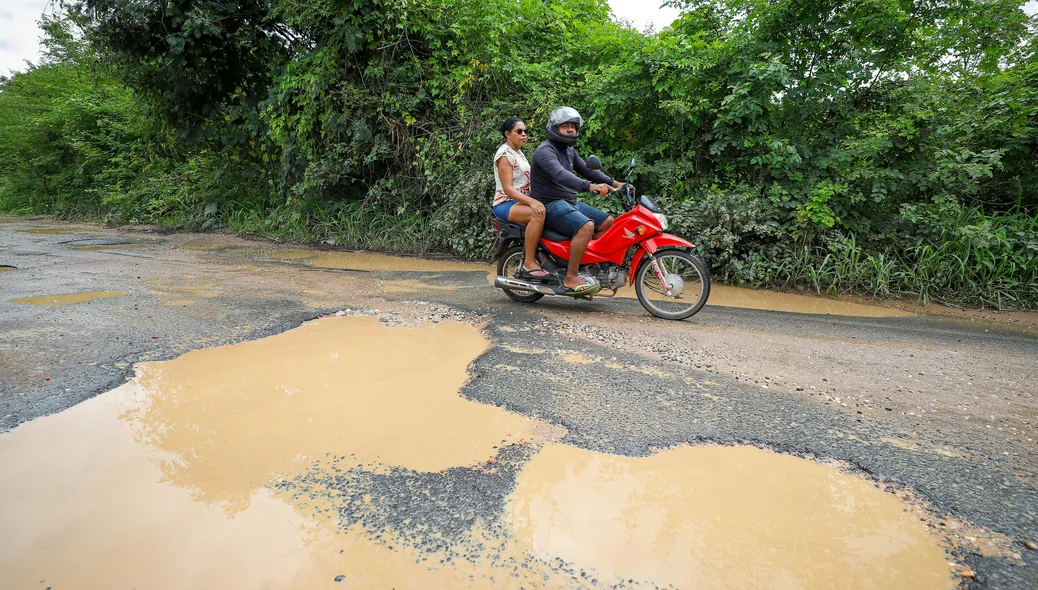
[(385, 262), (720, 517), (346, 386), (164, 481), (725, 296), (55, 230), (127, 246), (7, 267), (68, 298), (95, 244)]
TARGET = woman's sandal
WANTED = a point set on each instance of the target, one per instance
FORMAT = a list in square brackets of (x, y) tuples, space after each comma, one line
[(528, 275)]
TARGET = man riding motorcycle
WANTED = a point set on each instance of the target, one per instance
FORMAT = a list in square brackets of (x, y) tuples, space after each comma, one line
[(554, 182)]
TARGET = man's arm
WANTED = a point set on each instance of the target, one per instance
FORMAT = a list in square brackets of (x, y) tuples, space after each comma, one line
[(548, 161), (593, 175)]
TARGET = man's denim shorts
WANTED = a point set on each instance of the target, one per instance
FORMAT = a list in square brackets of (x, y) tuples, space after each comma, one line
[(566, 218)]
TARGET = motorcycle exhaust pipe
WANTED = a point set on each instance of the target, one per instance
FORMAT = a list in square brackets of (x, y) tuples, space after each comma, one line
[(517, 285)]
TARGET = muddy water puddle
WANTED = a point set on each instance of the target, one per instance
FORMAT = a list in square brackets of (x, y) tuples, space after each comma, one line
[(57, 230), (114, 247), (68, 298), (720, 517), (160, 483), (84, 505), (374, 261), (725, 296), (345, 386), (774, 301)]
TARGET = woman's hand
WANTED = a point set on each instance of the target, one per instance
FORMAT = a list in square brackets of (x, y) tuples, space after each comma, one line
[(538, 208)]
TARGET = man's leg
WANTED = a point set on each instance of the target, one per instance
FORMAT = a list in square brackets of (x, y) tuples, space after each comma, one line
[(603, 221), (567, 219), (577, 247)]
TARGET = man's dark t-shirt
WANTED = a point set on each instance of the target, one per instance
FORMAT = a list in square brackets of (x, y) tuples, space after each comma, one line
[(552, 175)]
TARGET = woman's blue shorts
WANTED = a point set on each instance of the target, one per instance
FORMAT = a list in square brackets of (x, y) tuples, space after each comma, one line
[(502, 209)]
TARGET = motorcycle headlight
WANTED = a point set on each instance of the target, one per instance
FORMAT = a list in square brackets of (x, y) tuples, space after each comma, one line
[(662, 219)]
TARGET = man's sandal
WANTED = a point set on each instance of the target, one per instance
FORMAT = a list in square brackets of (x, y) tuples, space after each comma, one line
[(585, 288)]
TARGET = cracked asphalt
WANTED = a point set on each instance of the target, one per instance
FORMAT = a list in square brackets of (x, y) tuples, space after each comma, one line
[(937, 408)]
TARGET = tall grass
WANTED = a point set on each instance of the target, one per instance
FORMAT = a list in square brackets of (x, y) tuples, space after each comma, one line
[(345, 223), (987, 260)]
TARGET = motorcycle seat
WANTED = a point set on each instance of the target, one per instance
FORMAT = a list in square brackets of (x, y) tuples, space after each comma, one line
[(518, 229), (554, 236)]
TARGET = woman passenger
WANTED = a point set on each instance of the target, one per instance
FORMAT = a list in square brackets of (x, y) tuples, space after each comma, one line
[(512, 200)]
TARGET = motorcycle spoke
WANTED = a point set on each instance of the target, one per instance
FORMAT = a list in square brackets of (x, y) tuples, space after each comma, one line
[(691, 284)]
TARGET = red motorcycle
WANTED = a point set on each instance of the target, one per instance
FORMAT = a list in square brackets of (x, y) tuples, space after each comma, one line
[(670, 282)]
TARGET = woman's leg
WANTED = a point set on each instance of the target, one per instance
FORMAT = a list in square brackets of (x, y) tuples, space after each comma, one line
[(520, 213)]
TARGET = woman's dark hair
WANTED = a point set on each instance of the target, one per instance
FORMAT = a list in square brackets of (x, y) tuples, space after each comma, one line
[(509, 124)]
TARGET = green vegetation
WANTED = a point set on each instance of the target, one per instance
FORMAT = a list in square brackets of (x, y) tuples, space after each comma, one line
[(886, 148)]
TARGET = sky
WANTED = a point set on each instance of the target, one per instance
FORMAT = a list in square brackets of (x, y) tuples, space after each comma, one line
[(19, 35)]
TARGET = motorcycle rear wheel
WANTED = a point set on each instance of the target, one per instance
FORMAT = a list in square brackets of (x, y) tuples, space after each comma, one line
[(508, 266), (685, 273)]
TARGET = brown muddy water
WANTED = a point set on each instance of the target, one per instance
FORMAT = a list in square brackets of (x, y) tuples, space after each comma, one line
[(720, 517), (726, 296), (113, 247), (57, 230), (166, 482), (68, 298), (377, 261), (160, 483)]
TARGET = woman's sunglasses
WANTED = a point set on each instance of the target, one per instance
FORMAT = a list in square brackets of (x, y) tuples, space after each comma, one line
[(520, 130)]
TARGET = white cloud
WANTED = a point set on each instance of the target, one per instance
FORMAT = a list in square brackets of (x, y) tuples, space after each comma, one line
[(19, 33), (643, 13)]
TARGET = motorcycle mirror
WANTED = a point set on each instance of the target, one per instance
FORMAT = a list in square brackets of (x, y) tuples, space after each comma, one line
[(633, 164), (594, 163)]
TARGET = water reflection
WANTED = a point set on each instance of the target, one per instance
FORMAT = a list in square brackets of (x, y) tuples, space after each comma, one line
[(235, 418)]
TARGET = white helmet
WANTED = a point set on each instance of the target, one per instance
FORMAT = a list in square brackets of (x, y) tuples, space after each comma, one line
[(558, 117)]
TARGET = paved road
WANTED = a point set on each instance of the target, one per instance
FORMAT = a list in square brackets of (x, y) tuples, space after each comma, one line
[(939, 409)]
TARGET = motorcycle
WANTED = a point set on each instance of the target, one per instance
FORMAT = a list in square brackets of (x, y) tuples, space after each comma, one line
[(670, 282)]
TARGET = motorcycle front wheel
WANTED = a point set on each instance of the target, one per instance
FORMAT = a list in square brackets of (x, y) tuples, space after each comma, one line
[(688, 285), (508, 266)]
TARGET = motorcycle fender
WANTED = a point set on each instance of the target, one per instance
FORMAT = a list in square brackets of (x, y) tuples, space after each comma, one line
[(651, 245), (502, 244)]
